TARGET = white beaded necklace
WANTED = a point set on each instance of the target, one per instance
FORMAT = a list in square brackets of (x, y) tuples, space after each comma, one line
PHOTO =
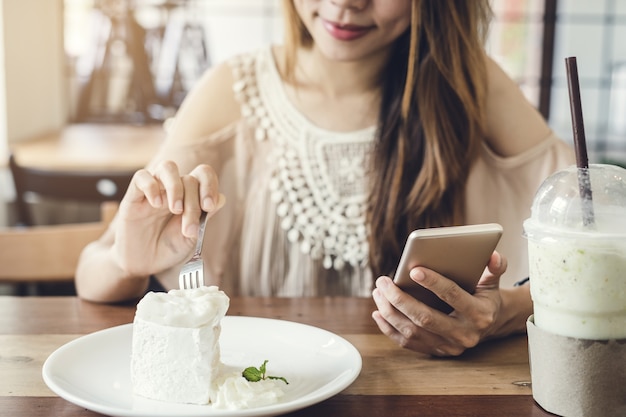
[(319, 180)]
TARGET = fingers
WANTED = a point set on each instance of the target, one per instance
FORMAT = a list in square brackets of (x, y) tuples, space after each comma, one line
[(185, 195), (201, 193), (418, 340), (209, 195), (407, 321), (191, 204), (145, 186), (445, 289), (160, 188), (497, 264), (168, 175), (416, 326), (495, 268)]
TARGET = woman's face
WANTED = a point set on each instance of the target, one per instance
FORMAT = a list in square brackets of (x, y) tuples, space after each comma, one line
[(348, 30)]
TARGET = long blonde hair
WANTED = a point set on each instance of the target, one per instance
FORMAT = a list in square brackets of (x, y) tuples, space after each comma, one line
[(431, 120)]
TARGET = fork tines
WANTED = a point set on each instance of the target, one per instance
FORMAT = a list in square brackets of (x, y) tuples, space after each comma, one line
[(192, 275)]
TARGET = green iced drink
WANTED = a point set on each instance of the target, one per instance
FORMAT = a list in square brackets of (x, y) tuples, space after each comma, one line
[(578, 271), (579, 286)]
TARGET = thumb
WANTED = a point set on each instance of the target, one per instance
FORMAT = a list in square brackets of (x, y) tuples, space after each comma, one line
[(493, 271)]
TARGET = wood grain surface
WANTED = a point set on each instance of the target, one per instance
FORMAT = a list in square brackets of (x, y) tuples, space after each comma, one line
[(489, 380)]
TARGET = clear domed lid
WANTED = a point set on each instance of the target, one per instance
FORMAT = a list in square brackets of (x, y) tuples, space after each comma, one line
[(558, 203)]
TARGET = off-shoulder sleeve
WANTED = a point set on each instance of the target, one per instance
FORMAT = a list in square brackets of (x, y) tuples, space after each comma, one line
[(502, 190)]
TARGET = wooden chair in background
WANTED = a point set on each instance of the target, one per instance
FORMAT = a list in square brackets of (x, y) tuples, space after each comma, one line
[(35, 255), (75, 186)]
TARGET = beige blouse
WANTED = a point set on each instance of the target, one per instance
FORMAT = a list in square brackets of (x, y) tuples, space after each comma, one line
[(294, 222)]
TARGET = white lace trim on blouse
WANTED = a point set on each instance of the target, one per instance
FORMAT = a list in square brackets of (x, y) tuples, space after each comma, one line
[(318, 181)]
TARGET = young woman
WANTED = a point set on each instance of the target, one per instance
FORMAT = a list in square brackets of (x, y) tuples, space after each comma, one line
[(375, 118)]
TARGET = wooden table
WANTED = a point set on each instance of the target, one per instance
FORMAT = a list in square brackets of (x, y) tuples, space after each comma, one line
[(490, 380), (92, 147)]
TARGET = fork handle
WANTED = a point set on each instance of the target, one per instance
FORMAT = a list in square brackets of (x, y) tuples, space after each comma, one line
[(203, 221)]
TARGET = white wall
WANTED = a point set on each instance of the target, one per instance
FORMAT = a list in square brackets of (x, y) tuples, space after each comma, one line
[(5, 183), (33, 92), (3, 115), (32, 82)]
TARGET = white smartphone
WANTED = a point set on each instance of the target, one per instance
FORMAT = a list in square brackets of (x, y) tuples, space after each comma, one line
[(459, 253)]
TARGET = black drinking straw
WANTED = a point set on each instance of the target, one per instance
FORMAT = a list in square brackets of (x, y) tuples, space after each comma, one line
[(580, 146)]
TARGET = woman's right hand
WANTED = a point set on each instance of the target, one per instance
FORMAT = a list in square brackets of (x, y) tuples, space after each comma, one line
[(157, 222)]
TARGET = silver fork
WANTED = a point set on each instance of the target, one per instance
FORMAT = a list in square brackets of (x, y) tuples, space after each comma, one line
[(192, 273)]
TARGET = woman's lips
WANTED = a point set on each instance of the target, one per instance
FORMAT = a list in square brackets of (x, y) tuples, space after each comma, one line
[(345, 32)]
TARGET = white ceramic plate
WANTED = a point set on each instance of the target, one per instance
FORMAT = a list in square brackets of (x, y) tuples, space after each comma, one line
[(93, 371)]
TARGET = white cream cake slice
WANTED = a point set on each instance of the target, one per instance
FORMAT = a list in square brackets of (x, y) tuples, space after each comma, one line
[(175, 344)]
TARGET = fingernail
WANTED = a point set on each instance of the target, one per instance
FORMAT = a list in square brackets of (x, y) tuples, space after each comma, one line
[(158, 201), (382, 283), (499, 260), (178, 206), (209, 204), (417, 274)]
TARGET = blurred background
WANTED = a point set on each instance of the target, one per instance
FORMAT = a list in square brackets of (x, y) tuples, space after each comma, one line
[(131, 62)]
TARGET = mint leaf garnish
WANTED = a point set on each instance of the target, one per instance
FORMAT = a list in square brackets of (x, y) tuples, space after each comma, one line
[(280, 378), (253, 374)]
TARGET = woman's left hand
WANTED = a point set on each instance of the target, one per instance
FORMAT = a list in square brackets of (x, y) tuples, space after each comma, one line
[(416, 326)]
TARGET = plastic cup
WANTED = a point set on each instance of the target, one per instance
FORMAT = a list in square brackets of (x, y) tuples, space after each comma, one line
[(578, 271)]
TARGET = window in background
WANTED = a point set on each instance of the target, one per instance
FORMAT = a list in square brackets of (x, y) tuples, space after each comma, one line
[(515, 42), (594, 32), (530, 39)]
